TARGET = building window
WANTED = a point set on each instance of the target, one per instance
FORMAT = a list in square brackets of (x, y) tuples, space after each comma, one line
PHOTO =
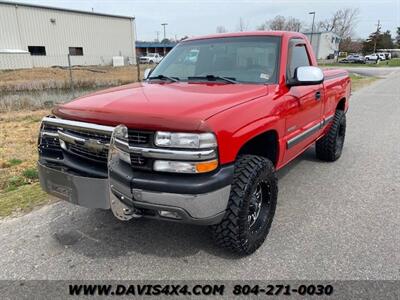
[(77, 51), (37, 50)]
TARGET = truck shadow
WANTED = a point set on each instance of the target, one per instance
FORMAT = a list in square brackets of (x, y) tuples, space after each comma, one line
[(98, 234)]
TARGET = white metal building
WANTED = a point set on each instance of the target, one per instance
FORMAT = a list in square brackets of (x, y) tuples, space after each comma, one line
[(42, 36), (325, 44)]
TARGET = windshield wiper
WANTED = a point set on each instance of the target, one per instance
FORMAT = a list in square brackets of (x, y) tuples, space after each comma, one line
[(213, 78), (163, 77)]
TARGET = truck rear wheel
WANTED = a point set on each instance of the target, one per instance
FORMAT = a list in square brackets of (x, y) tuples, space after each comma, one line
[(329, 147), (251, 206)]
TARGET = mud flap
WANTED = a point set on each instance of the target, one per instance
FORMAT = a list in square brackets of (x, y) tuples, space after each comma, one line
[(120, 210)]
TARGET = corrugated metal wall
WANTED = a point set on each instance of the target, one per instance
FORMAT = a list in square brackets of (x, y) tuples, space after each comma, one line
[(101, 37)]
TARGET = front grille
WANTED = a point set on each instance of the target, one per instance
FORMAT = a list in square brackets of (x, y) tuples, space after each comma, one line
[(136, 138), (140, 137), (51, 143), (83, 152), (137, 159), (49, 128)]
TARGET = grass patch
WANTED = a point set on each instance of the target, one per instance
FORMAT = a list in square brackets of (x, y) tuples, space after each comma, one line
[(31, 173), (14, 161), (22, 199), (358, 81), (14, 182)]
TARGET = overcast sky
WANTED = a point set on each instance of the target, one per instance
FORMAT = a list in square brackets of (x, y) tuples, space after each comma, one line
[(192, 17)]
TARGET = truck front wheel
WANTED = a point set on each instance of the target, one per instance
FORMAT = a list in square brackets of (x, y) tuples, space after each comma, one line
[(329, 147), (251, 206)]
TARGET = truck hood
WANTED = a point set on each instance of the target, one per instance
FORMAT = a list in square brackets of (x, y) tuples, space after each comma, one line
[(159, 106)]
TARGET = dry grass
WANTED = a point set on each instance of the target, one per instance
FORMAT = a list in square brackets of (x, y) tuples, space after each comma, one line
[(19, 187), (22, 200), (18, 147), (37, 79), (358, 81)]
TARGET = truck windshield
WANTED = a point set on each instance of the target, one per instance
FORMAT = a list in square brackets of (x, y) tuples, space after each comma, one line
[(252, 59)]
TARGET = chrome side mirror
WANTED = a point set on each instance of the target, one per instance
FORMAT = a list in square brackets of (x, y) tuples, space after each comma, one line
[(307, 75), (147, 73)]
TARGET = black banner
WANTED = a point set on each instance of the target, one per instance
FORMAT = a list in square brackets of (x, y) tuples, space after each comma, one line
[(294, 289)]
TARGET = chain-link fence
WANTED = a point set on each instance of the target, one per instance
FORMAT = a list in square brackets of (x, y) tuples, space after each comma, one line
[(60, 78)]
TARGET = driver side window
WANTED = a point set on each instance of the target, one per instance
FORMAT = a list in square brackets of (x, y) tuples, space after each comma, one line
[(298, 57)]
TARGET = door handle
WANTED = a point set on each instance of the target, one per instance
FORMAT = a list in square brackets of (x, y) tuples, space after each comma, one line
[(318, 96)]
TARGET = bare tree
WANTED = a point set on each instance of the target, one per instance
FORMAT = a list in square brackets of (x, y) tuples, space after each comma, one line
[(277, 23), (281, 23), (263, 27), (293, 24), (221, 29), (241, 25), (342, 22)]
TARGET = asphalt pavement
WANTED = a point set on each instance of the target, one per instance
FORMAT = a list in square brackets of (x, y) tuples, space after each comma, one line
[(333, 221)]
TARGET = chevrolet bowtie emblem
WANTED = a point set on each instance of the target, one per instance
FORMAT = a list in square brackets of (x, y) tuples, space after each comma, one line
[(92, 145)]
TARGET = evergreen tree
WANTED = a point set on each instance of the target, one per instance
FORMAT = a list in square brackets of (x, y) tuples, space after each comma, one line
[(378, 40), (398, 37)]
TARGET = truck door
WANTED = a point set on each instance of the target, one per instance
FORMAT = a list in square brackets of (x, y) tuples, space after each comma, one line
[(304, 103)]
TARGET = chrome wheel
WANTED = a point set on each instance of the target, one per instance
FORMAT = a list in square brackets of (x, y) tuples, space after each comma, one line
[(255, 205)]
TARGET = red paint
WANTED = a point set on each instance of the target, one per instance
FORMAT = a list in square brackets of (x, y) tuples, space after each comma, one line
[(234, 112)]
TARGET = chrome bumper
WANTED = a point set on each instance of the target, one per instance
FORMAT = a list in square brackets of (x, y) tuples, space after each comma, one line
[(203, 209)]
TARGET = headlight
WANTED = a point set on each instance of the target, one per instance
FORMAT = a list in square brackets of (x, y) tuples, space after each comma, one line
[(185, 167), (185, 140)]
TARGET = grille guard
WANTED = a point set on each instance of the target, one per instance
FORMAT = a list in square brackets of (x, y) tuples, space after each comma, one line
[(120, 210)]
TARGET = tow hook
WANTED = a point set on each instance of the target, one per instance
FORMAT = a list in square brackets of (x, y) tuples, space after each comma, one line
[(120, 210)]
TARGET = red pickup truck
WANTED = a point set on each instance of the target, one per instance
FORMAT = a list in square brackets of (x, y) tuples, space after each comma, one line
[(201, 138)]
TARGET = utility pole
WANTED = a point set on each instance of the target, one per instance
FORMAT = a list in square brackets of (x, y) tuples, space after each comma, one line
[(378, 28), (312, 26), (164, 24), (158, 36)]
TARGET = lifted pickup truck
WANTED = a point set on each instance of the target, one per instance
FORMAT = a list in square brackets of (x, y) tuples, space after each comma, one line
[(200, 139)]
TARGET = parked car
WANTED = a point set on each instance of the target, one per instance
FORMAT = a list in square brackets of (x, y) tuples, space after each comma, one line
[(354, 58), (150, 58), (372, 57), (388, 55), (199, 142), (381, 56)]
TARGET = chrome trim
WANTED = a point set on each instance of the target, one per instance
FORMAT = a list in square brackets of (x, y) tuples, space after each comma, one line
[(92, 144), (167, 153), (49, 134), (70, 138), (305, 134), (298, 138), (328, 119), (78, 125)]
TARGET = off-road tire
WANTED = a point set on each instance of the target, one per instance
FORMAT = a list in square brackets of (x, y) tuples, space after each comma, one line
[(329, 147), (234, 231)]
